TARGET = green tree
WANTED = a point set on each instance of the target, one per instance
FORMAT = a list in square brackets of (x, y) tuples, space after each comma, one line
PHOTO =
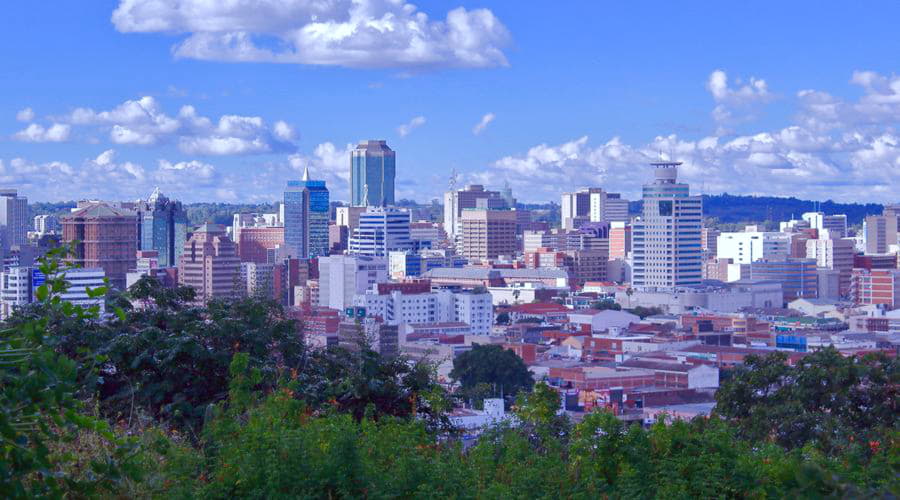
[(492, 364)]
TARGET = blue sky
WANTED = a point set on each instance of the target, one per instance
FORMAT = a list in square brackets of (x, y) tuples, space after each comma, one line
[(215, 100)]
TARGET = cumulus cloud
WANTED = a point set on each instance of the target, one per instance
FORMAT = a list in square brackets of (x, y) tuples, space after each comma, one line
[(350, 33), (879, 105), (25, 115), (144, 122), (483, 123), (407, 128), (731, 100), (34, 132)]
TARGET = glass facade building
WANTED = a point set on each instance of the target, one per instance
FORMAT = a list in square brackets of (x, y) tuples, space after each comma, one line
[(306, 218), (163, 228), (666, 239), (373, 166)]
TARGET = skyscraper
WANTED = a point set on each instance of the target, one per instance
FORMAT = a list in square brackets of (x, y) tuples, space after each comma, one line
[(592, 205), (13, 226), (666, 239), (163, 228), (381, 230), (306, 218), (473, 196), (487, 234), (373, 166)]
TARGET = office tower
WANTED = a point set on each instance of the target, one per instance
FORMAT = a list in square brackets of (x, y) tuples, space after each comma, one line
[(107, 238), (835, 224), (373, 166), (210, 264), (836, 254), (13, 220), (164, 226), (306, 218), (507, 195), (473, 196), (79, 280), (247, 219), (798, 277), (343, 276), (487, 234), (338, 238), (745, 247), (381, 230), (16, 289), (666, 239), (876, 287), (46, 224), (575, 209), (881, 232), (709, 243), (259, 279)]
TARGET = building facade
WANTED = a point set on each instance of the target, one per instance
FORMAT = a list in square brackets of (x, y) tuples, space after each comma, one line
[(306, 205), (103, 237), (210, 264), (373, 166), (473, 196), (666, 239), (164, 225), (487, 234), (876, 287), (746, 247), (13, 219), (798, 277), (381, 230)]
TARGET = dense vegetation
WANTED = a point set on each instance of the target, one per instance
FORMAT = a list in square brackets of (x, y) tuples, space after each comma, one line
[(171, 399)]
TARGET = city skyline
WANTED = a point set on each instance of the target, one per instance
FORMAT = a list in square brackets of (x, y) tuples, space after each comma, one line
[(211, 116)]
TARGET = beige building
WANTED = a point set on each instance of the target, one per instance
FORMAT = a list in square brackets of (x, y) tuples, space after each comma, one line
[(210, 264), (487, 234), (836, 254)]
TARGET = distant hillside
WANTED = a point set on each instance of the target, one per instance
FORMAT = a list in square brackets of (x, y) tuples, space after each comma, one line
[(728, 208)]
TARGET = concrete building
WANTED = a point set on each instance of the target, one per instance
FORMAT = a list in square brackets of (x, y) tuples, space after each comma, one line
[(79, 280), (619, 240), (46, 224), (338, 239), (718, 297), (666, 239), (341, 277), (746, 247), (798, 277), (373, 167), (16, 289), (210, 264), (259, 279), (348, 216), (413, 264), (473, 196), (442, 306), (306, 218), (591, 205), (880, 233), (835, 224), (13, 220), (381, 230), (878, 286), (835, 254), (107, 239), (487, 234), (164, 226), (709, 243), (255, 243)]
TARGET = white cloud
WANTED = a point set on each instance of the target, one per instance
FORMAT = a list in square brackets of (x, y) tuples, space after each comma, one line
[(483, 123), (143, 122), (731, 100), (34, 132), (350, 33), (879, 105), (25, 115), (407, 128)]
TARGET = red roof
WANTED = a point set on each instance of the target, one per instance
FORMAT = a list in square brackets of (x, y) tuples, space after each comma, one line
[(540, 308)]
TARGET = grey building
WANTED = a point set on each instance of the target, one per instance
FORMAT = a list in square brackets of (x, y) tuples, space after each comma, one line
[(373, 166)]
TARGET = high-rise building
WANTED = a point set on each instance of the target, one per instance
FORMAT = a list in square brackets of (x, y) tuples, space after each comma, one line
[(745, 247), (306, 218), (836, 254), (210, 264), (619, 240), (16, 289), (881, 232), (487, 234), (381, 230), (348, 216), (13, 219), (373, 166), (798, 277), (106, 238), (473, 196), (255, 243), (164, 226), (878, 286), (709, 243), (835, 224), (666, 239), (591, 205)]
